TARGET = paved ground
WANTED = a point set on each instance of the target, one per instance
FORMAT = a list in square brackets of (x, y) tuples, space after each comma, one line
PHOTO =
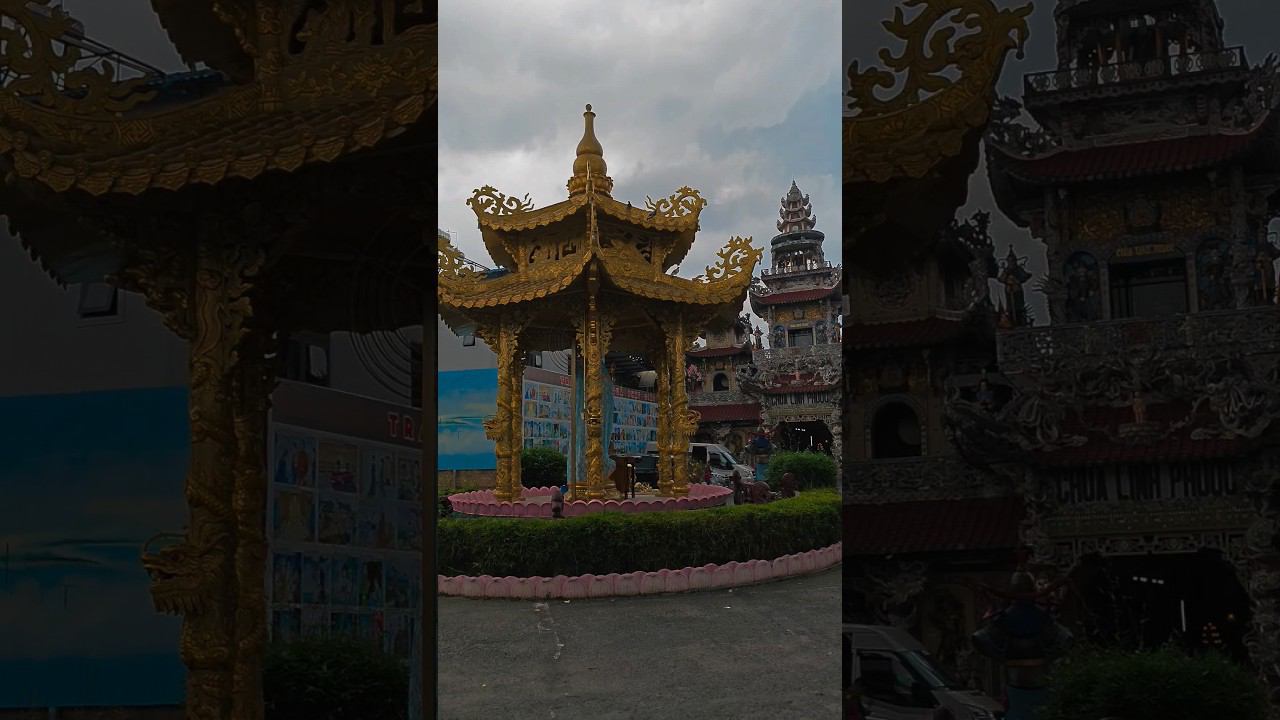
[(764, 651)]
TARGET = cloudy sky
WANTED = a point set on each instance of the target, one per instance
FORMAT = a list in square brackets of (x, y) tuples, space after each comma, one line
[(736, 99), (1248, 23)]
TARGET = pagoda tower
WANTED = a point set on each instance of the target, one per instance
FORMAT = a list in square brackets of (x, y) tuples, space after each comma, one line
[(1142, 417), (797, 376)]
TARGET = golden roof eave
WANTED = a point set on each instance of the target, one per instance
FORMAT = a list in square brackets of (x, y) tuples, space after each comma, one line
[(906, 137), (316, 109), (497, 214), (724, 284)]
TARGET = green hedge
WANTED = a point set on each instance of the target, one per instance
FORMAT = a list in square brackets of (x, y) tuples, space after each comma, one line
[(602, 543), (334, 679), (812, 470), (1162, 685), (542, 467)]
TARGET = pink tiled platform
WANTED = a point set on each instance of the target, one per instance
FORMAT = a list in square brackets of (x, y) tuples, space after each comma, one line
[(536, 503), (707, 577)]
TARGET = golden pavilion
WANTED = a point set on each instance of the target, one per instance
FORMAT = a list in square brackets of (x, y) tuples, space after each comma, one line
[(595, 274)]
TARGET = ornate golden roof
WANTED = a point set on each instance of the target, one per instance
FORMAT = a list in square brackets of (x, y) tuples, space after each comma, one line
[(546, 251), (316, 94)]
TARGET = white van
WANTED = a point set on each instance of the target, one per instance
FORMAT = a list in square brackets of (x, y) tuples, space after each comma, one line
[(718, 459), (899, 681)]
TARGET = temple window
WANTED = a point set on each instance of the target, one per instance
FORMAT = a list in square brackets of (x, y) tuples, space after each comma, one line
[(1154, 288), (800, 338), (720, 382), (895, 432)]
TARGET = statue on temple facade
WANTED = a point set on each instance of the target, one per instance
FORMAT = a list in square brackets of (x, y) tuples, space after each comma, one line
[(1013, 276), (1026, 639)]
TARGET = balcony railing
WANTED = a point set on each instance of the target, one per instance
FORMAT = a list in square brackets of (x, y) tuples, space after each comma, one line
[(1232, 58), (796, 270), (918, 478), (719, 397), (1251, 331), (786, 353)]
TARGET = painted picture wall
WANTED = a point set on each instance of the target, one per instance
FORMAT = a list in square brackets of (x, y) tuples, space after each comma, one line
[(467, 397), (87, 479), (346, 538)]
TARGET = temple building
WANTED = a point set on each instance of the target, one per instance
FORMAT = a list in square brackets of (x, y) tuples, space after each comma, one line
[(728, 415), (1138, 424), (925, 527), (916, 336), (797, 376)]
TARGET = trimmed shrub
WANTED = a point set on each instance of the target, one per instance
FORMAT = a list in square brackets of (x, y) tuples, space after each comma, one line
[(542, 467), (602, 543), (334, 679), (812, 470), (1160, 685)]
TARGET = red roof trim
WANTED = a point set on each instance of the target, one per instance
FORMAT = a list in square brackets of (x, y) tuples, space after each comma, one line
[(927, 526), (724, 413), (1124, 161), (795, 296), (908, 333)]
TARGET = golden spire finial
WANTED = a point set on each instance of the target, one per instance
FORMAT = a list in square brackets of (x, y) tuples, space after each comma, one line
[(589, 166)]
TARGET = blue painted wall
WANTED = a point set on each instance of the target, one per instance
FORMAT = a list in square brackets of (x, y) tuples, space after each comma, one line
[(86, 479), (466, 398)]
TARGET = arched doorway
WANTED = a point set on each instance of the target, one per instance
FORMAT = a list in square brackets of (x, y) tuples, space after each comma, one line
[(1193, 600), (799, 436), (895, 432)]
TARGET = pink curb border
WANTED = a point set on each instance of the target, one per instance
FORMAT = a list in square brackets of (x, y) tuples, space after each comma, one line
[(707, 577), (482, 502)]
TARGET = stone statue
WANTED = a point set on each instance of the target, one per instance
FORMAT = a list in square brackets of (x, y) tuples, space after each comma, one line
[(1013, 276), (1084, 298), (1139, 408), (1025, 638)]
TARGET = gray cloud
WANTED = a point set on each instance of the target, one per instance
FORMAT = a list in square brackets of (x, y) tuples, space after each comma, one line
[(735, 99)]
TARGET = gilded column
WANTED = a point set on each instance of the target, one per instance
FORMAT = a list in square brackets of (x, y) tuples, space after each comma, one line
[(503, 428), (515, 391), (596, 334), (205, 577), (683, 424), (662, 364)]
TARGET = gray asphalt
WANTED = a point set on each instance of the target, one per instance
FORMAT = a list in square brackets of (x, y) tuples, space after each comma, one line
[(763, 651)]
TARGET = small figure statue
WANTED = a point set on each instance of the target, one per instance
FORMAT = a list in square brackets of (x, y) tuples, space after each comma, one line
[(1139, 408), (1266, 278), (986, 398), (789, 485), (1013, 276), (779, 339), (759, 334), (557, 504)]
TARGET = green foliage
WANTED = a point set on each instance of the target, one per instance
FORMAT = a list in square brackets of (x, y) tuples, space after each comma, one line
[(542, 467), (602, 543), (334, 679), (812, 470), (1166, 684)]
